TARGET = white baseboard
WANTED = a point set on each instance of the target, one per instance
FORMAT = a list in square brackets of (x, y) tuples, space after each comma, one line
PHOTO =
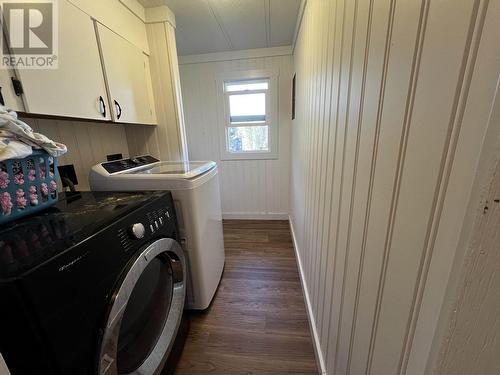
[(255, 215), (310, 315)]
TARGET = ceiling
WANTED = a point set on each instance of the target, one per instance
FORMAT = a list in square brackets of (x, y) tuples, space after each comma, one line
[(205, 26)]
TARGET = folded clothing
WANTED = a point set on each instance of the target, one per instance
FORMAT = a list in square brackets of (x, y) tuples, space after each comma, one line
[(17, 139)]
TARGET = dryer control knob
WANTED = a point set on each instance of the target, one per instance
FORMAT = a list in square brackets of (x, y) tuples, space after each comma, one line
[(138, 231)]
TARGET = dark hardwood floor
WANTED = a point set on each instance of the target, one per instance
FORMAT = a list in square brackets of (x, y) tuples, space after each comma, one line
[(257, 323)]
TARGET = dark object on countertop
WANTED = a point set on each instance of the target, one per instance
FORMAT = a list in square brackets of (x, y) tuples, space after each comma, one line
[(68, 176)]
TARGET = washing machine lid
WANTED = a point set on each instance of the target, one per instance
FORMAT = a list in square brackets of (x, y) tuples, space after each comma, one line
[(147, 166), (168, 169)]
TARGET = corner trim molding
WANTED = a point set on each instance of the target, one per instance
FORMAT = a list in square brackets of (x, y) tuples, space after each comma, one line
[(310, 315), (235, 55), (137, 9), (300, 16), (160, 14)]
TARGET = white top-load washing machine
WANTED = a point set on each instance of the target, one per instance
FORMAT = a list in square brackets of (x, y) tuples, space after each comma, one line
[(196, 194)]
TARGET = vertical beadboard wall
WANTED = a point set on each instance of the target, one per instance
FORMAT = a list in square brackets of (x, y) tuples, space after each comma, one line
[(393, 99), (167, 140), (249, 188), (88, 143)]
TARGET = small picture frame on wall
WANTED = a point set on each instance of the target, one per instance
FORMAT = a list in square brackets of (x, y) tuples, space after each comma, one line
[(293, 97)]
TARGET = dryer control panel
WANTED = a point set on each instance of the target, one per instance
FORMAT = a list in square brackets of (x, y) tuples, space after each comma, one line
[(154, 220), (158, 218)]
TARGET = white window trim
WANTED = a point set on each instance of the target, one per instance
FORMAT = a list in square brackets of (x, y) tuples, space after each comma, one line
[(272, 111)]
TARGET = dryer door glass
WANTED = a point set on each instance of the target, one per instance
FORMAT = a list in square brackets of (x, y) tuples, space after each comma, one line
[(145, 314)]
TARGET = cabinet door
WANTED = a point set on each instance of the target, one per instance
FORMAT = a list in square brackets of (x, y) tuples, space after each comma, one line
[(76, 87), (127, 74)]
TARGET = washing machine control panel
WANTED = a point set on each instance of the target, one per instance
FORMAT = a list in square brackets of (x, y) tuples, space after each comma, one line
[(125, 164)]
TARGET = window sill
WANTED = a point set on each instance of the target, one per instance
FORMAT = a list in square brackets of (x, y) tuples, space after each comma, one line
[(250, 156)]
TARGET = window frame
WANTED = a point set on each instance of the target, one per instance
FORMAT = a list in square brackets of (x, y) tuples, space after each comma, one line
[(272, 76)]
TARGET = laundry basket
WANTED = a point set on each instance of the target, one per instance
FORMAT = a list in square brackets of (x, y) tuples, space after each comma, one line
[(27, 185)]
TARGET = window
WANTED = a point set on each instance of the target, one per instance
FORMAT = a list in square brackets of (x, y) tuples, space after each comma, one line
[(249, 113)]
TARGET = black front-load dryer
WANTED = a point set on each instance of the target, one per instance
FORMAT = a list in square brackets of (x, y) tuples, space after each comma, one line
[(94, 285)]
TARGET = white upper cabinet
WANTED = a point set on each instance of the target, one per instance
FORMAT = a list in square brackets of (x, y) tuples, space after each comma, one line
[(100, 74), (76, 88), (127, 75), (123, 17)]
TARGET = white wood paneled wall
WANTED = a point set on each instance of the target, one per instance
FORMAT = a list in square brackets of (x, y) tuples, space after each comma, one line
[(88, 143), (167, 141), (249, 188), (393, 99)]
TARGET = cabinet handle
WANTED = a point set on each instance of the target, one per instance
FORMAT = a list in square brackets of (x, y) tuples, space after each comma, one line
[(18, 87), (103, 106), (119, 110)]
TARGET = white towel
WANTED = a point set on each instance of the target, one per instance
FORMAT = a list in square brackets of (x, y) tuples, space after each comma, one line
[(17, 139), (10, 148)]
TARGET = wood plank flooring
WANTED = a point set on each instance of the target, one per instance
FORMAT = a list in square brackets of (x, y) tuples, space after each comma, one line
[(257, 323)]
